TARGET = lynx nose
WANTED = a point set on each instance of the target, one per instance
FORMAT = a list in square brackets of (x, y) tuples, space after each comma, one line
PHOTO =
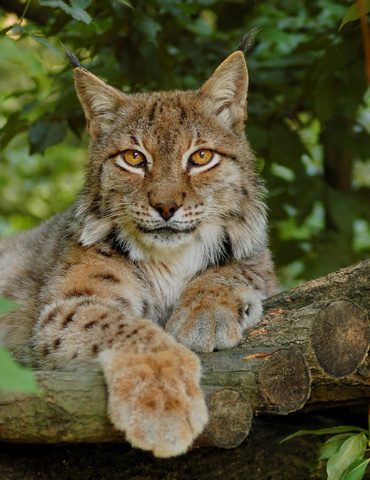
[(166, 210)]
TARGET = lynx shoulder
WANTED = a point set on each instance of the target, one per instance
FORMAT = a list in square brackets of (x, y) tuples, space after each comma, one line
[(163, 252)]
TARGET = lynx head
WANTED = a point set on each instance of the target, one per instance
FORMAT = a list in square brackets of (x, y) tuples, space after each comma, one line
[(168, 170)]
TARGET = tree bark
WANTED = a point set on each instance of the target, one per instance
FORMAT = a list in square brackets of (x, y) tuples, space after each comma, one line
[(309, 351)]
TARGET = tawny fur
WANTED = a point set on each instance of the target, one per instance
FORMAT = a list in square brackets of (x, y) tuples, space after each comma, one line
[(150, 255)]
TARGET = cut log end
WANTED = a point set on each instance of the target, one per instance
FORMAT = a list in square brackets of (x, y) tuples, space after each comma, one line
[(284, 381), (230, 418), (340, 337)]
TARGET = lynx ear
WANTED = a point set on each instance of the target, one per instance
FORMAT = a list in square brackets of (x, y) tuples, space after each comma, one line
[(225, 92), (101, 102)]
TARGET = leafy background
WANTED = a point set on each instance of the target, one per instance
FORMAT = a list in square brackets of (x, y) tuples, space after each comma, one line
[(309, 107)]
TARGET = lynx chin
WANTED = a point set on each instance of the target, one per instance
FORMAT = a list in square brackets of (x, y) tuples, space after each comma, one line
[(163, 254)]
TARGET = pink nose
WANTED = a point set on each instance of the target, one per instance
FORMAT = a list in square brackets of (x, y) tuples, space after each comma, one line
[(166, 210)]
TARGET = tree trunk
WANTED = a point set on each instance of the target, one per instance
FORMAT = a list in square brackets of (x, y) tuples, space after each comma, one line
[(309, 351)]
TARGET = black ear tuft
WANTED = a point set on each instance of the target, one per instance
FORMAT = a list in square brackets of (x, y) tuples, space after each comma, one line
[(73, 60), (248, 39)]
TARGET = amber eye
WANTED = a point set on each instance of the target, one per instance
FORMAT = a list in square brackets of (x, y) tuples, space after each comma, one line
[(201, 157), (134, 158)]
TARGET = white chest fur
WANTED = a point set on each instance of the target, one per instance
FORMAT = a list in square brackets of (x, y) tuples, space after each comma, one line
[(167, 281)]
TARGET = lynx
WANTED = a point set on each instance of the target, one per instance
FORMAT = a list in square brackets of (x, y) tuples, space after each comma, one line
[(164, 252)]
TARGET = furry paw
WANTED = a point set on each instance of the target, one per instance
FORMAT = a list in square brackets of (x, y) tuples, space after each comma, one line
[(215, 317), (155, 398)]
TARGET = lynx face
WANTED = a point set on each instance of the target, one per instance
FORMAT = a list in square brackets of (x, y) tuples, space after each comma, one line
[(169, 170)]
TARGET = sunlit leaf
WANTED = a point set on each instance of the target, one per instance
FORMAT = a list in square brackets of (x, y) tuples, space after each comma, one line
[(353, 13), (353, 448), (331, 446), (356, 470)]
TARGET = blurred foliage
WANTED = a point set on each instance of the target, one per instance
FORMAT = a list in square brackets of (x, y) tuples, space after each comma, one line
[(309, 107)]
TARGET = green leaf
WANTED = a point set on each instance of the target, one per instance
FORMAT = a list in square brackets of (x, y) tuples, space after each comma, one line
[(126, 3), (353, 448), (353, 13), (45, 42), (83, 4), (7, 305), (81, 15), (76, 12), (356, 470), (13, 377), (44, 134), (332, 446), (10, 51), (324, 431), (55, 4)]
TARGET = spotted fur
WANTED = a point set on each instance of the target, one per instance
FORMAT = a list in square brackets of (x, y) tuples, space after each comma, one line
[(158, 252)]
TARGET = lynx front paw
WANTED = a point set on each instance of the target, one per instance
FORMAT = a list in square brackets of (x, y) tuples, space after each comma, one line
[(155, 398), (215, 317)]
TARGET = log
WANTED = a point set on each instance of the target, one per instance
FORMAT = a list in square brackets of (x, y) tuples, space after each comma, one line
[(340, 337), (273, 382), (230, 418), (309, 351), (72, 409), (327, 320)]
